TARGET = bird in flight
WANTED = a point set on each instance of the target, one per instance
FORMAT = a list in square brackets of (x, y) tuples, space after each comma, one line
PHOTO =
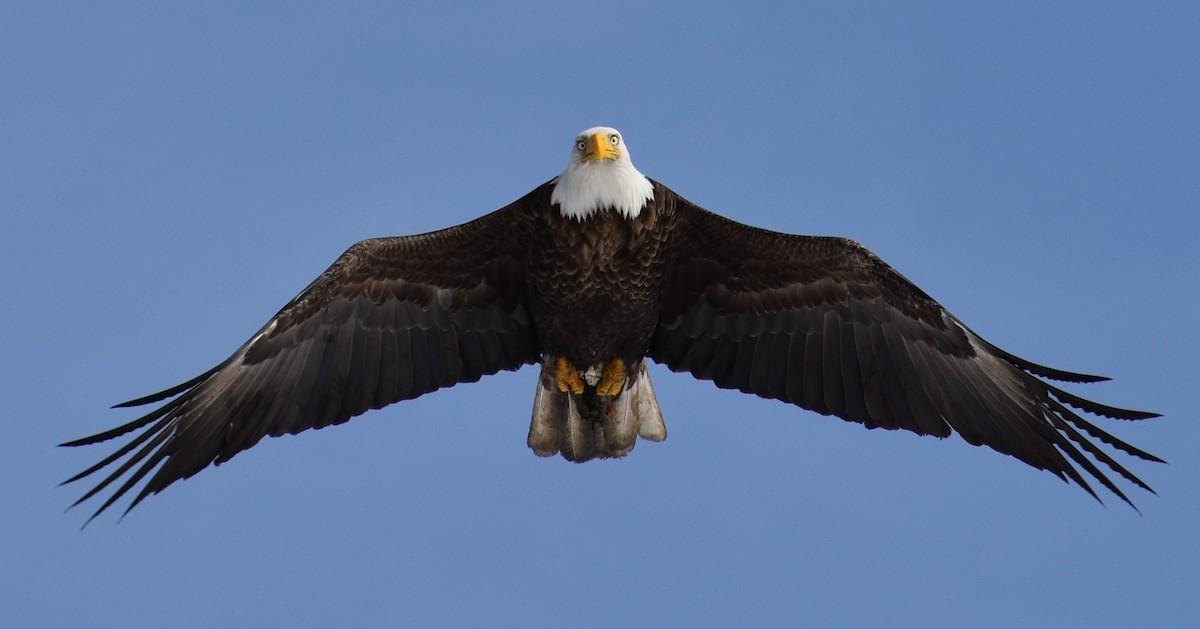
[(588, 275)]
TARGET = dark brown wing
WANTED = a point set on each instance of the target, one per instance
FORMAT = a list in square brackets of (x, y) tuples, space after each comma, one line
[(824, 324), (392, 319)]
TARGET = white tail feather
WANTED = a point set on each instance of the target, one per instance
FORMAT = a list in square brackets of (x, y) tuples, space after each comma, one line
[(560, 425)]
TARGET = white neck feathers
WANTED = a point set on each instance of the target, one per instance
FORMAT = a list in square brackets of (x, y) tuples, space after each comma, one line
[(587, 187)]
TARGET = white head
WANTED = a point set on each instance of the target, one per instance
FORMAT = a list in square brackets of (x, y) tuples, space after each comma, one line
[(600, 176)]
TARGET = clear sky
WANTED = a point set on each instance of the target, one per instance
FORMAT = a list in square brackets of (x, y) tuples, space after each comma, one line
[(171, 175)]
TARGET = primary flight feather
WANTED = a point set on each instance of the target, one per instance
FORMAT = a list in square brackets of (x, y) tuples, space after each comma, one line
[(589, 274)]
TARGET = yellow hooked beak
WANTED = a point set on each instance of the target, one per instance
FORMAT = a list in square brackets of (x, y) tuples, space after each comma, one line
[(600, 147)]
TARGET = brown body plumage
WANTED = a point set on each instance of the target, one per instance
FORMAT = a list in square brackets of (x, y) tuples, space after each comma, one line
[(597, 282), (579, 281)]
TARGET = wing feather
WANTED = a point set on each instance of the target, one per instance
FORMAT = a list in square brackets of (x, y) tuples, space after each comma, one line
[(824, 324), (391, 319)]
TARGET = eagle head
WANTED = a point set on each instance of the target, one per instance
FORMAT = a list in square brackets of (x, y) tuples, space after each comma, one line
[(600, 176)]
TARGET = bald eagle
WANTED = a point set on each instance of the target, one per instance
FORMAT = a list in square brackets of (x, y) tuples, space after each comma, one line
[(588, 275)]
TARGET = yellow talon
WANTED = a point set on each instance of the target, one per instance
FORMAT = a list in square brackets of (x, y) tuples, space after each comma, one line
[(613, 378), (568, 377)]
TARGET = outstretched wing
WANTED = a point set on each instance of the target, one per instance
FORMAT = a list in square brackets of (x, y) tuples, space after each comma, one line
[(824, 324), (392, 319)]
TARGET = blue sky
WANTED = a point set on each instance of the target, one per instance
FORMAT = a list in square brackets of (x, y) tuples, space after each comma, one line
[(171, 175)]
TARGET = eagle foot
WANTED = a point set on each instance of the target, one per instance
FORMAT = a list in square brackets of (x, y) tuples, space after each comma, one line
[(568, 377), (613, 379)]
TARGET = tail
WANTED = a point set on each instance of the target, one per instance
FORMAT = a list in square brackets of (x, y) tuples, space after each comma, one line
[(588, 426)]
